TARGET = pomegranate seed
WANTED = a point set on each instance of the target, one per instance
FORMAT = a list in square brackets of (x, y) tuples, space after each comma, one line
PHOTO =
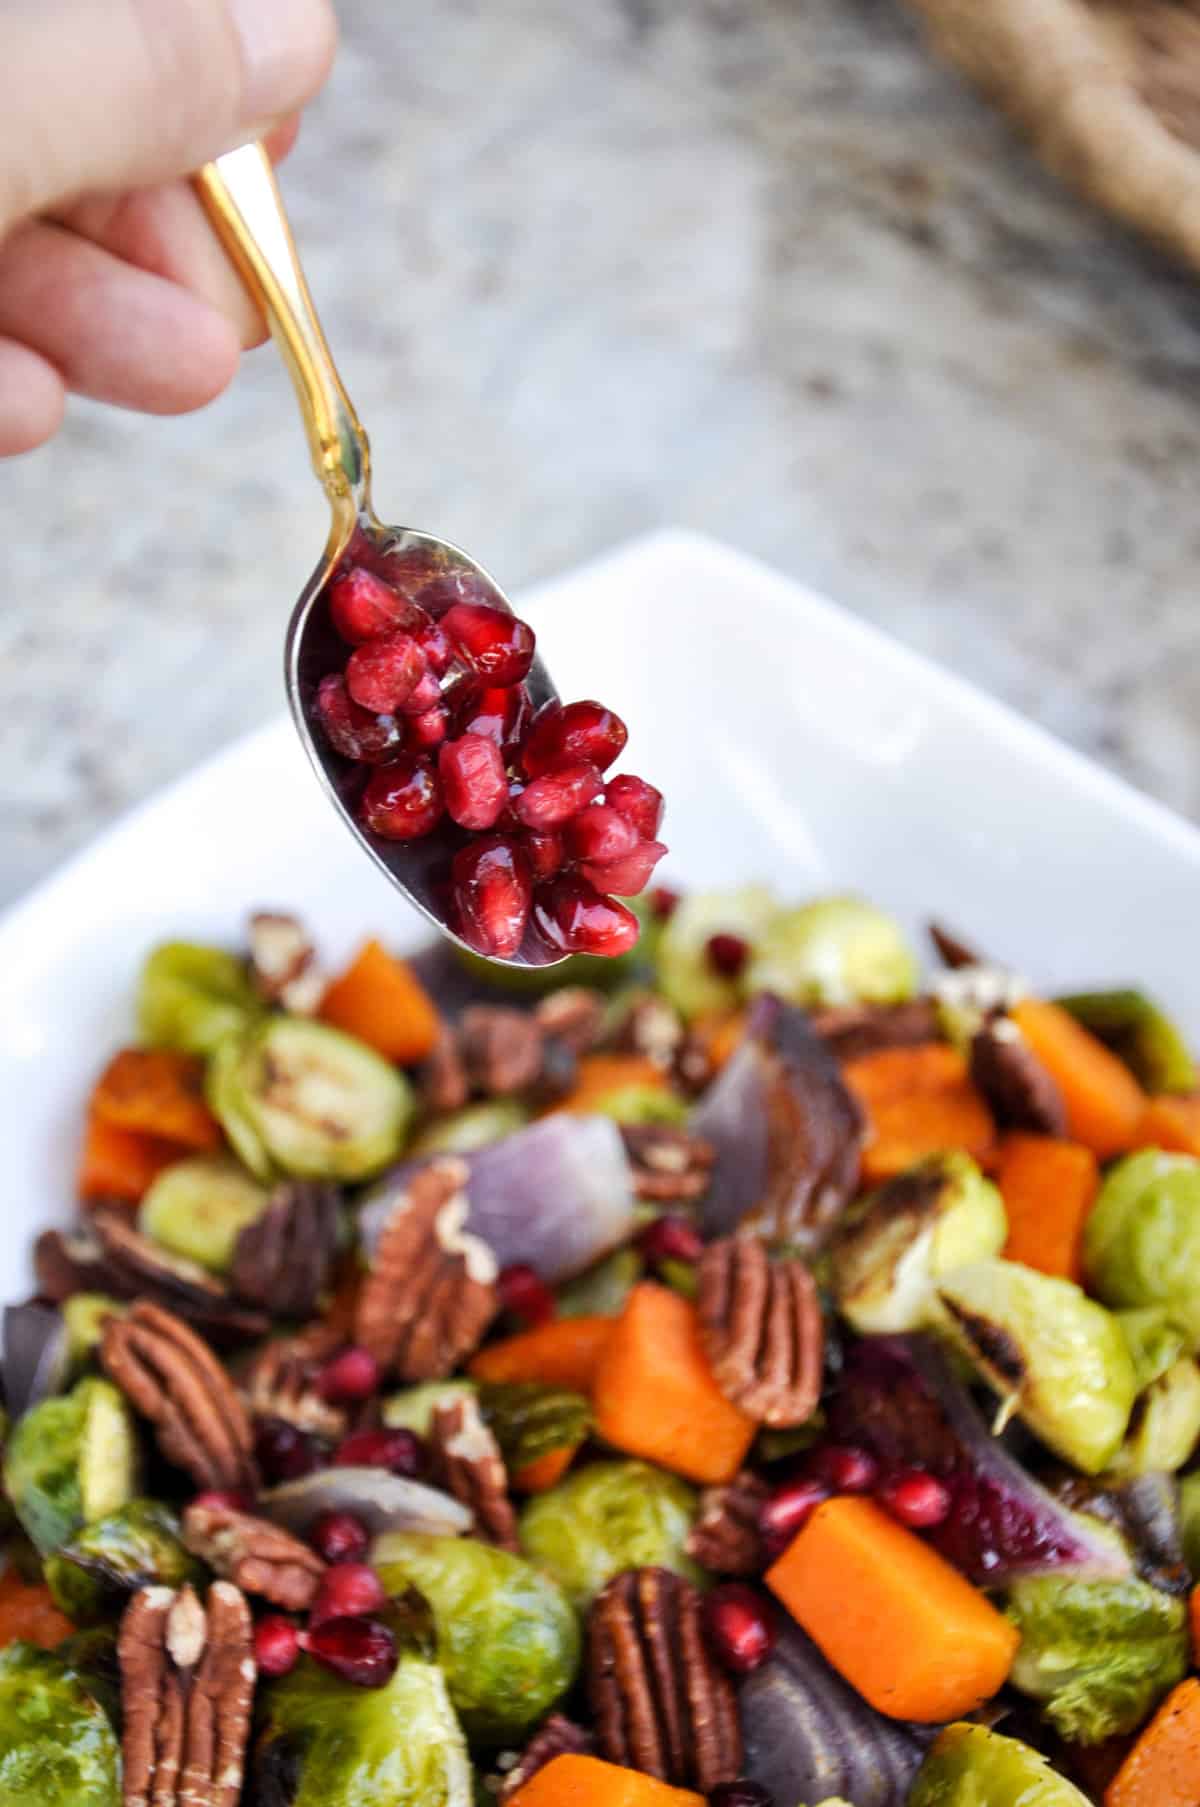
[(599, 834), (493, 888), (449, 587), (845, 1468), (917, 1499), (742, 1793), (400, 1451), (276, 1645), (225, 1499), (555, 797), (740, 1625), (493, 643), (363, 607), (283, 1451), (638, 802), (664, 903), (383, 673), (425, 695), (347, 1591), (350, 1377), (340, 1537), (434, 644), (670, 1238), (402, 801), (526, 1295), (727, 954), (359, 1650), (546, 851), (573, 916), (580, 731), (353, 731), (426, 731), (500, 712), (474, 782), (788, 1509), (626, 877)]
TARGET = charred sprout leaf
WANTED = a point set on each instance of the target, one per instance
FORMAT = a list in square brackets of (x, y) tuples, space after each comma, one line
[(838, 950), (475, 1126), (972, 1766), (608, 1517), (197, 1208), (529, 1420), (1189, 1518), (139, 1546), (602, 1290), (889, 1255), (1142, 1239), (1053, 1355), (1140, 1034), (634, 1104), (37, 1355), (686, 975), (57, 1745), (85, 1315), (192, 997), (70, 1461), (1097, 1655), (1165, 1425), (508, 1641), (413, 1409), (1155, 1341)]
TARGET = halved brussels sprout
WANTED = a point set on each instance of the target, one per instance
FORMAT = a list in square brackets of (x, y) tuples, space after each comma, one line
[(601, 1291), (1165, 1425), (1140, 1034), (1051, 1353), (69, 1461), (85, 1315), (138, 1546), (972, 1766), (685, 973), (508, 1642), (191, 997), (607, 1517), (836, 950), (641, 1104), (889, 1254), (530, 1420), (1141, 1243), (1097, 1655), (57, 1745), (314, 1101), (475, 1126), (1189, 1519), (1155, 1341), (197, 1208), (413, 1409)]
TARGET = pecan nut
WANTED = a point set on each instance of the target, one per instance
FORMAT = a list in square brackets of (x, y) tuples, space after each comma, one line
[(1021, 1092), (431, 1291), (501, 1049), (694, 1068), (259, 1557), (187, 1686), (850, 1030), (283, 963), (465, 1460), (762, 1330), (669, 1165), (651, 1027), (283, 1261), (444, 1083), (572, 1016), (173, 1378), (280, 1381), (725, 1537), (659, 1700), (558, 1737)]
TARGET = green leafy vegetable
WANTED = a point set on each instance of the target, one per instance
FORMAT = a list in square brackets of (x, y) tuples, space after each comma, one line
[(192, 997), (836, 950), (530, 1420), (1140, 1034), (138, 1546), (972, 1766), (57, 1746), (607, 1517), (71, 1460), (1141, 1243)]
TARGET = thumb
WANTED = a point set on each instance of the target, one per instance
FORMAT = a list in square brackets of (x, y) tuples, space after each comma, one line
[(112, 94)]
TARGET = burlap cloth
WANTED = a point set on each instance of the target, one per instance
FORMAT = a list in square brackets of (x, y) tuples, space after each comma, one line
[(1108, 90)]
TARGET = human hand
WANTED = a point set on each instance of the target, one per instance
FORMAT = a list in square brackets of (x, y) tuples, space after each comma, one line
[(112, 283)]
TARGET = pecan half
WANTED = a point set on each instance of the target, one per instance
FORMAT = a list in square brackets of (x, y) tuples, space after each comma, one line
[(187, 1685), (725, 1537), (762, 1329), (444, 1083), (1020, 1091), (558, 1737), (573, 1015), (694, 1067), (260, 1557), (669, 1165), (650, 1027), (283, 963), (849, 1030), (280, 1381), (284, 1260), (501, 1049), (953, 952), (659, 1700), (465, 1460), (431, 1291), (173, 1378)]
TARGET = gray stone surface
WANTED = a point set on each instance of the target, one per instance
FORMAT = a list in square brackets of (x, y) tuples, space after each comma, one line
[(755, 266)]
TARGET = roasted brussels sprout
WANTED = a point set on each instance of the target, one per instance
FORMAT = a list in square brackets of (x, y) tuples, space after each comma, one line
[(192, 997), (1141, 1034), (972, 1766), (85, 1315), (686, 975), (530, 1420), (601, 1291), (1189, 1519), (1055, 1357), (139, 1546), (1141, 1243), (889, 1254), (57, 1745), (836, 950), (640, 1104), (413, 1409), (1097, 1655), (197, 1208), (473, 1127), (507, 1639), (70, 1461), (608, 1517), (1155, 1341), (1165, 1425)]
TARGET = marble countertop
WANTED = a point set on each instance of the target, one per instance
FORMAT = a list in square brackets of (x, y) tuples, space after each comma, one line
[(753, 266)]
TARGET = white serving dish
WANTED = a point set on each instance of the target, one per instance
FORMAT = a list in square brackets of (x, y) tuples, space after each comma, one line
[(795, 744)]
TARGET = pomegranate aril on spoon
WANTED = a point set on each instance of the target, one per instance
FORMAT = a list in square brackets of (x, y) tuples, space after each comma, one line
[(496, 645), (574, 916), (568, 734), (627, 876), (600, 834), (364, 607), (556, 796), (474, 781), (403, 801), (638, 802), (492, 886), (382, 674), (352, 730), (546, 851), (424, 732)]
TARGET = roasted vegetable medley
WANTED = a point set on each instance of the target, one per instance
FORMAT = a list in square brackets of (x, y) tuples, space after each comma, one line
[(743, 1372)]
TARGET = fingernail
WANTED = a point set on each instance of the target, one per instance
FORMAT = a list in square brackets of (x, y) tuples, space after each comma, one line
[(287, 47)]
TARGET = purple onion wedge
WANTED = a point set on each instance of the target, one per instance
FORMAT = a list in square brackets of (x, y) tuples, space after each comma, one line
[(809, 1735), (898, 1396), (383, 1501), (36, 1355)]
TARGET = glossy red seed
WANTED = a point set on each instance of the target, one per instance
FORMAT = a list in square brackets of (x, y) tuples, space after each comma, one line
[(438, 651), (346, 1591), (283, 1451), (474, 782), (492, 886), (525, 1294), (628, 876), (276, 1645), (351, 730), (727, 954), (398, 1450), (740, 1625), (424, 732), (492, 642), (546, 851), (845, 1467), (339, 1537), (364, 607), (350, 1377), (359, 1650), (402, 801), (788, 1509), (577, 732), (382, 674), (501, 712), (225, 1499), (425, 695), (664, 902), (448, 587), (599, 835), (552, 799), (917, 1499), (670, 1238), (572, 915), (638, 802)]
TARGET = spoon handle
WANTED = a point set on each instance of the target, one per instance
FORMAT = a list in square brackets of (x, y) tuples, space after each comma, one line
[(243, 200)]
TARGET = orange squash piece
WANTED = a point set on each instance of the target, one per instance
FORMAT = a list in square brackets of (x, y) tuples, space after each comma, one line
[(28, 1613), (600, 1075), (1171, 1123), (587, 1782), (904, 1628), (380, 1000), (917, 1101), (654, 1394), (546, 1472), (564, 1353), (1163, 1768), (119, 1164), (157, 1092), (1105, 1104), (1048, 1187)]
